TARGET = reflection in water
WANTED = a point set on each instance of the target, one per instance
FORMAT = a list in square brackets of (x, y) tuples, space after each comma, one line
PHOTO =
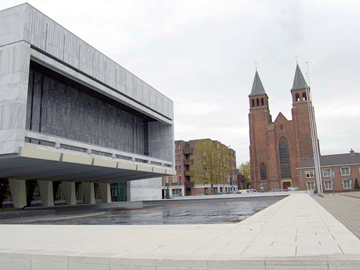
[(207, 211)]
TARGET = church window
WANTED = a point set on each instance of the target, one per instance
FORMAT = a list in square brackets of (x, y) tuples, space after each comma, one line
[(284, 159), (262, 101), (297, 97), (257, 102), (281, 127), (252, 103), (304, 95), (263, 172)]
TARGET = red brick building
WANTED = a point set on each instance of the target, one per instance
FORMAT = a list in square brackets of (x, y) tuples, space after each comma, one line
[(278, 147), (345, 168), (183, 184)]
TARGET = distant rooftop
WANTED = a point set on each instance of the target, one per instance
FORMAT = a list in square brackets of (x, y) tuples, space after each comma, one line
[(351, 158)]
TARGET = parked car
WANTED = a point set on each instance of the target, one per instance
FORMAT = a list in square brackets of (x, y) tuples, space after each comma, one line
[(244, 191), (274, 190), (292, 189)]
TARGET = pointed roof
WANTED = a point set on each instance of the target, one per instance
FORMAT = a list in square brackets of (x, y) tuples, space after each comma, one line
[(280, 117), (299, 81), (257, 88)]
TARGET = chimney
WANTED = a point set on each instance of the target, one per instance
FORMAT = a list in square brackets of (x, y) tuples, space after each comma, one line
[(352, 153)]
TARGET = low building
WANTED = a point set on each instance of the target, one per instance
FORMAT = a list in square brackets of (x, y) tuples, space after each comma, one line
[(183, 184), (339, 172), (171, 187)]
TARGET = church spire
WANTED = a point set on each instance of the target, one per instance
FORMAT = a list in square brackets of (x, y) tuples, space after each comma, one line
[(299, 81), (257, 88)]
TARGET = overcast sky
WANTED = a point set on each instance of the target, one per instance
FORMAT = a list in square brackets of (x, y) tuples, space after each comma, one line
[(201, 54)]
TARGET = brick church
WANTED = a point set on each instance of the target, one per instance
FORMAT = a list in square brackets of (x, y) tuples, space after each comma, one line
[(278, 147)]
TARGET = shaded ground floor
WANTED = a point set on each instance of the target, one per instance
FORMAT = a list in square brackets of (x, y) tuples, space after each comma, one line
[(26, 193)]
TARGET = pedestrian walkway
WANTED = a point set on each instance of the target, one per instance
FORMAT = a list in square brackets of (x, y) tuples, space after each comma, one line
[(345, 207), (294, 233)]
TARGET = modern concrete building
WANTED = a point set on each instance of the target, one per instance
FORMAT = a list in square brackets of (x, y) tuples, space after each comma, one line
[(68, 113)]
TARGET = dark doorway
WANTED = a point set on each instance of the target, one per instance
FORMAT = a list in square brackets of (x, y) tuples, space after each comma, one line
[(286, 184)]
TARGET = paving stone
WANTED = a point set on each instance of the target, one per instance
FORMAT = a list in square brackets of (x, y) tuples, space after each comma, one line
[(271, 239)]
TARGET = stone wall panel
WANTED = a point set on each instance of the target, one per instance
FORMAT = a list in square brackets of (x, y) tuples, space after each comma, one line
[(67, 111)]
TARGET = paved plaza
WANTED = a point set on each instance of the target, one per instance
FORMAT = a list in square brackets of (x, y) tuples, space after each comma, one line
[(345, 207), (294, 233)]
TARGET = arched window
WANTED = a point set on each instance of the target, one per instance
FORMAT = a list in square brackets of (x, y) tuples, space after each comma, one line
[(263, 175), (262, 101), (284, 158), (304, 95), (297, 97), (257, 102), (252, 103)]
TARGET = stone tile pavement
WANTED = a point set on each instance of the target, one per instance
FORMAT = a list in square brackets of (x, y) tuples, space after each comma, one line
[(345, 207), (294, 233)]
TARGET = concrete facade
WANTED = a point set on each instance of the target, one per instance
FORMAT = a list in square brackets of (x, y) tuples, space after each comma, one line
[(69, 113), (278, 147)]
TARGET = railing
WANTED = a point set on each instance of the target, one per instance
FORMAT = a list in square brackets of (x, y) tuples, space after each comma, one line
[(67, 144)]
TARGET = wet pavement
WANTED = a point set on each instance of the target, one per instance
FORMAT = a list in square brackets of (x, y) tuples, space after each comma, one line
[(209, 211)]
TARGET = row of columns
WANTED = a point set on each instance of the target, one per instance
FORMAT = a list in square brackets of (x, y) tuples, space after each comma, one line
[(18, 192)]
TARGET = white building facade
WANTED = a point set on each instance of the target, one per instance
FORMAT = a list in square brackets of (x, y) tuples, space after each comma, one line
[(70, 114)]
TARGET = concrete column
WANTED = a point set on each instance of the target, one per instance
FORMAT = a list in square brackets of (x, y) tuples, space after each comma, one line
[(46, 193), (128, 191), (105, 192), (89, 192), (18, 192), (69, 192)]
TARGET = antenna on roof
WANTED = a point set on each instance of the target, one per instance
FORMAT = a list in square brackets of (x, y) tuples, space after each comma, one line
[(308, 73), (256, 63), (296, 57)]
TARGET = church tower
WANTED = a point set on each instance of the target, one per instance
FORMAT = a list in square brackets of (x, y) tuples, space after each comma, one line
[(259, 120), (277, 148), (300, 114)]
